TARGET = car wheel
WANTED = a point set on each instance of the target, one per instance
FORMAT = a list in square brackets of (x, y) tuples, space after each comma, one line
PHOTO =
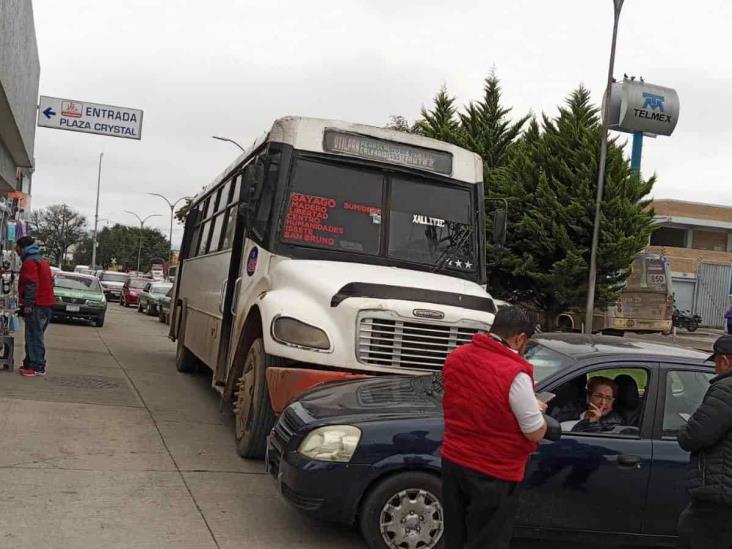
[(161, 316), (99, 322), (404, 511), (148, 309), (139, 307), (121, 301), (253, 409)]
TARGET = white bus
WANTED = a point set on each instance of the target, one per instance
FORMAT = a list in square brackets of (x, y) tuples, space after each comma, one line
[(328, 250)]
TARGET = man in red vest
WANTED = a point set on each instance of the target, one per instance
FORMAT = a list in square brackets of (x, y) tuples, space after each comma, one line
[(493, 422)]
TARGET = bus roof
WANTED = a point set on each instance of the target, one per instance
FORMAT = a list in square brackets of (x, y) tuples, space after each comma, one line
[(307, 134)]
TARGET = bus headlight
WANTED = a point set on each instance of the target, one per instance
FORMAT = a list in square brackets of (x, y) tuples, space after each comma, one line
[(293, 332), (332, 443)]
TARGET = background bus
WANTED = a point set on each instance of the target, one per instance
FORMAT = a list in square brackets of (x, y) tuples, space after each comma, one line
[(645, 304), (329, 250)]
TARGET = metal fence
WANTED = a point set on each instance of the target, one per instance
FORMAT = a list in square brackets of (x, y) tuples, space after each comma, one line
[(711, 298)]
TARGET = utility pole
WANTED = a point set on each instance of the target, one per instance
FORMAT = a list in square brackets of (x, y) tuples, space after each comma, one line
[(617, 5), (96, 215), (142, 224)]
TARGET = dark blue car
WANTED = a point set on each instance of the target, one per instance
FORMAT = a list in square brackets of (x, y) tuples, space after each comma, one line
[(367, 451)]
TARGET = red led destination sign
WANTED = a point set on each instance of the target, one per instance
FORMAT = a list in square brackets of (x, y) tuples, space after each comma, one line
[(388, 151)]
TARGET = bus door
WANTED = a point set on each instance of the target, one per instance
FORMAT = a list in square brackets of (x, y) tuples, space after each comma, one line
[(247, 232)]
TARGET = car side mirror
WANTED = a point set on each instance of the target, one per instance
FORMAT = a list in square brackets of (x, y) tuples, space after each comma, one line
[(499, 227), (553, 429)]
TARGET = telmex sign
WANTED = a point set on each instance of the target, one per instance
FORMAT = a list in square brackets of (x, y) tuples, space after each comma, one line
[(641, 107)]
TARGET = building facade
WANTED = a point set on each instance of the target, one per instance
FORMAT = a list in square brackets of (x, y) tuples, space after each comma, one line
[(697, 240), (19, 76)]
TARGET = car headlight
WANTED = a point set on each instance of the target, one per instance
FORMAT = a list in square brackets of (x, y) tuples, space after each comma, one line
[(332, 443), (93, 303), (289, 330)]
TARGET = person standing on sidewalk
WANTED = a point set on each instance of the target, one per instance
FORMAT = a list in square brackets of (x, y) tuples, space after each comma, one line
[(728, 318), (705, 523), (35, 287), (493, 422)]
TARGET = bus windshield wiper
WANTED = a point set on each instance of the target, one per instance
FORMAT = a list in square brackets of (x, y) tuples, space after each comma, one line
[(442, 260)]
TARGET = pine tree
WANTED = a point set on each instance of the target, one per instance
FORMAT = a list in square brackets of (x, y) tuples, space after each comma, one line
[(442, 121), (551, 193)]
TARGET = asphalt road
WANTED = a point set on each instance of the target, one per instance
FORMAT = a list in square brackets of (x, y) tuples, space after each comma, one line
[(114, 448)]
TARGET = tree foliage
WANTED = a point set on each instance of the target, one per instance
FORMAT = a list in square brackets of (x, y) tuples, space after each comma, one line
[(546, 170), (57, 228), (119, 245)]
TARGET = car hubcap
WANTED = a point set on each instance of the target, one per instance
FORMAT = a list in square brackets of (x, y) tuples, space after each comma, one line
[(411, 519), (245, 395)]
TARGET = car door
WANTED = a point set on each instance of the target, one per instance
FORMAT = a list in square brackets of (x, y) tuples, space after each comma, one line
[(681, 390), (144, 295), (592, 481)]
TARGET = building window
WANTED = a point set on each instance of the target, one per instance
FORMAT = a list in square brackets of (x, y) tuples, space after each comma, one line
[(709, 240), (667, 236)]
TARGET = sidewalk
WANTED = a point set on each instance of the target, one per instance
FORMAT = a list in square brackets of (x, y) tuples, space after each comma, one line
[(703, 339)]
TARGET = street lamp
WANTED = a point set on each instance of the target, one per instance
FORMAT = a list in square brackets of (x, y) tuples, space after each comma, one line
[(172, 214), (617, 6), (142, 224), (229, 140), (96, 215)]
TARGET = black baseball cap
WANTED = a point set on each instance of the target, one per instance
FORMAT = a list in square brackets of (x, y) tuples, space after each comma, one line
[(723, 346)]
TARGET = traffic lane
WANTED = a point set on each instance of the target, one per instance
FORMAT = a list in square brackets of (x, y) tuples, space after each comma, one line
[(237, 498)]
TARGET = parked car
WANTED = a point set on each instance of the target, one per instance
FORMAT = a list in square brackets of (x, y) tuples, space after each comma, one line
[(131, 290), (151, 295), (112, 283), (81, 268), (79, 297), (164, 306), (368, 451)]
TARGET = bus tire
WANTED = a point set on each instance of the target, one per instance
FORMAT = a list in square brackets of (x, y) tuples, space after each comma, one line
[(185, 360), (253, 414)]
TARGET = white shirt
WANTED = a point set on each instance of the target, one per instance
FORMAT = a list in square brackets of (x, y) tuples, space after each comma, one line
[(523, 404)]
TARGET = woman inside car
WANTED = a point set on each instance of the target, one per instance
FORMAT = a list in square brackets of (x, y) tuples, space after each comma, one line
[(599, 415)]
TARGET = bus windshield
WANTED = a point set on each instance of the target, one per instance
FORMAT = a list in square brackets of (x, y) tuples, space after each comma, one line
[(350, 209)]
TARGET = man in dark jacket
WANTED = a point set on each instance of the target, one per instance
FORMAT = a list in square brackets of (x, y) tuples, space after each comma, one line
[(35, 287), (706, 522)]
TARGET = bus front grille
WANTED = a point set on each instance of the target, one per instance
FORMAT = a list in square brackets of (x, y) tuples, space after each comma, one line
[(419, 345)]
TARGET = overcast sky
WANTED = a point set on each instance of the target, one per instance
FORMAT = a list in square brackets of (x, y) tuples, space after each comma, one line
[(230, 67)]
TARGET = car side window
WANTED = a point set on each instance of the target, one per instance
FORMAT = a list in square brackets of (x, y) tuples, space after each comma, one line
[(616, 396), (685, 390)]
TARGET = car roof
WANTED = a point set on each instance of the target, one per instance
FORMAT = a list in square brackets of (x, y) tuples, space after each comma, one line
[(75, 275), (581, 346)]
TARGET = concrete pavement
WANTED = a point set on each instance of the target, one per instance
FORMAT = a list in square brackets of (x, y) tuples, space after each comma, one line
[(114, 448)]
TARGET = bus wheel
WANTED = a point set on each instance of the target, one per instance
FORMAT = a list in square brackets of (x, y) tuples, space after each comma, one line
[(185, 360), (253, 410)]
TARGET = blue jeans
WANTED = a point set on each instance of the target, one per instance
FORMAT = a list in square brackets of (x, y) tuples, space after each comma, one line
[(35, 349)]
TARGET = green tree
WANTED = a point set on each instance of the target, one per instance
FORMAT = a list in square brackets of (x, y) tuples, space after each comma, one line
[(57, 228), (550, 185), (441, 122), (119, 245)]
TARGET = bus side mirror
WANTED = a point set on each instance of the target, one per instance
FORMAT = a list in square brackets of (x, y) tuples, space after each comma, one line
[(499, 227)]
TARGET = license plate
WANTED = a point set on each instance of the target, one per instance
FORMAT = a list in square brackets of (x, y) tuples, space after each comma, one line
[(72, 308)]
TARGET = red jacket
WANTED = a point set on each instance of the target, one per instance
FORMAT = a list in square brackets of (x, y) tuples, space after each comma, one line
[(481, 432), (35, 284)]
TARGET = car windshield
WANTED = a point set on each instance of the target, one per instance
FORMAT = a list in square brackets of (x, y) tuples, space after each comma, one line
[(138, 284), (545, 360), (342, 207), (160, 288), (114, 277), (76, 283)]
